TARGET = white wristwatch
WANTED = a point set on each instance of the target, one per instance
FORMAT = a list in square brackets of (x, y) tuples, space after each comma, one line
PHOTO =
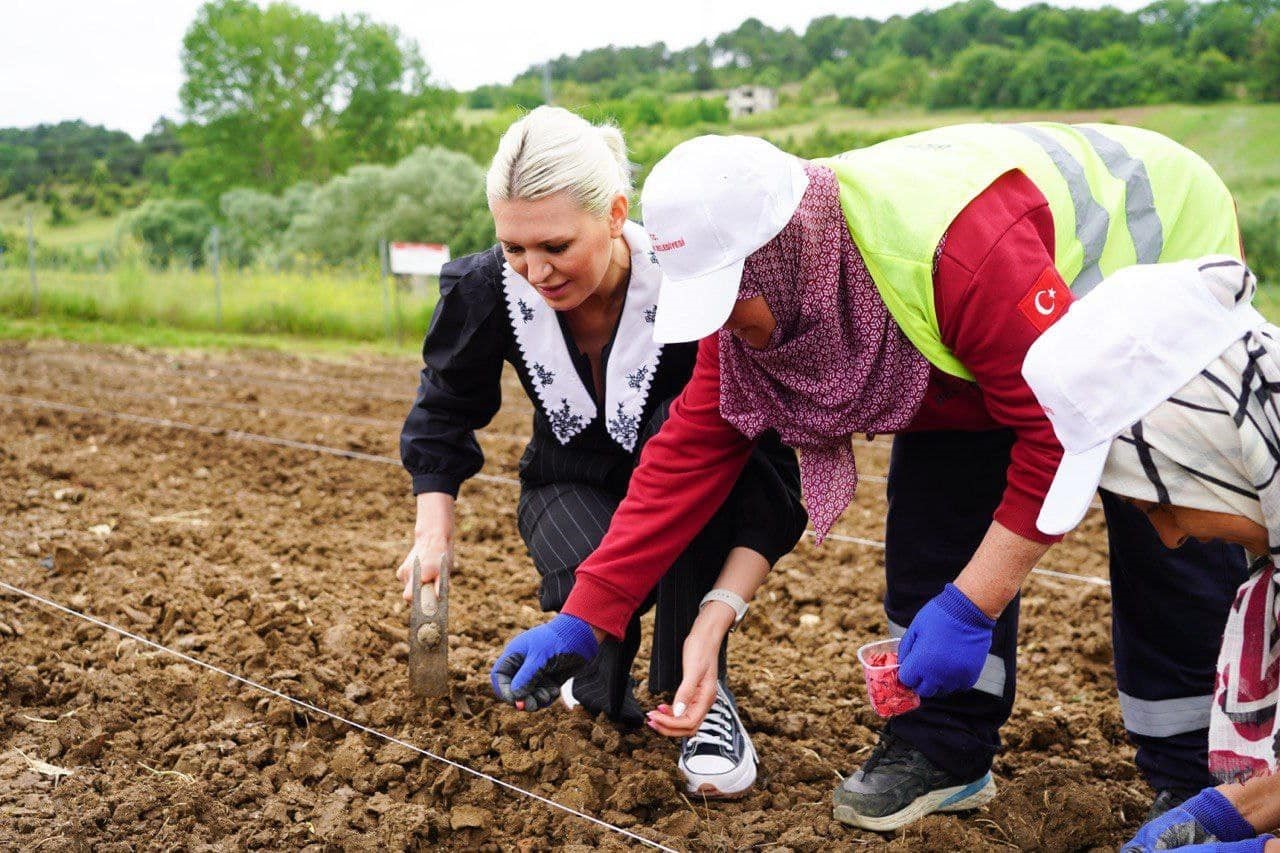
[(730, 598)]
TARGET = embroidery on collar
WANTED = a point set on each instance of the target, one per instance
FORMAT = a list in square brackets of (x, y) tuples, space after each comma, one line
[(632, 362)]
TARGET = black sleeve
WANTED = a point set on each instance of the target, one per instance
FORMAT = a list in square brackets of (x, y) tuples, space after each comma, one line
[(460, 388)]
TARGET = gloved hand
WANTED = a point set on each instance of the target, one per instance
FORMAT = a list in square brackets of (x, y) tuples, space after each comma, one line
[(531, 668), (1251, 845), (946, 645), (1206, 817)]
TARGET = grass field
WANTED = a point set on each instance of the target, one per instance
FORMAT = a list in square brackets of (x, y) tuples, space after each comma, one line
[(253, 303), (1237, 139), (87, 231)]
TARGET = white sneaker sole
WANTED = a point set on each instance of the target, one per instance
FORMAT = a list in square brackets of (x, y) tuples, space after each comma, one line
[(731, 784), (566, 695), (723, 786), (958, 799)]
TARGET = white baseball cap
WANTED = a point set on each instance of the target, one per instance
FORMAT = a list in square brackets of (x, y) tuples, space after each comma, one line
[(1122, 350), (707, 205)]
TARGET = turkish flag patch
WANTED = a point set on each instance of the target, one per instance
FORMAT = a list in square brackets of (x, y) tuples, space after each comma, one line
[(1046, 301)]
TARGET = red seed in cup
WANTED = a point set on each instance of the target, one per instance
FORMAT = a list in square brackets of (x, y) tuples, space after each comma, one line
[(889, 696)]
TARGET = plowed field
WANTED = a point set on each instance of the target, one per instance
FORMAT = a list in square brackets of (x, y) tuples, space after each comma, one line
[(137, 487)]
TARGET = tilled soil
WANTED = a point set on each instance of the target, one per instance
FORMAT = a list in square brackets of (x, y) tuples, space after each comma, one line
[(276, 563)]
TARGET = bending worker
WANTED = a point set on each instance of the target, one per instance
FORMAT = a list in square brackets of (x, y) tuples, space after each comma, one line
[(1163, 385), (896, 289)]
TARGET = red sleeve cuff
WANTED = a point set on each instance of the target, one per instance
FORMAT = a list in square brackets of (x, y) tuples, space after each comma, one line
[(600, 604), (1019, 514)]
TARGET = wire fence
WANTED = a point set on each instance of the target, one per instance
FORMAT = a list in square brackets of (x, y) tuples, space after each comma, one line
[(345, 303)]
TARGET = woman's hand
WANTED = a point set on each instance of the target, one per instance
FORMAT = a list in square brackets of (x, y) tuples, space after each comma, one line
[(697, 691), (428, 550), (432, 540)]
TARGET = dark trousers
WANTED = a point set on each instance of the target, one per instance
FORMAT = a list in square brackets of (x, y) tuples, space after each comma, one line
[(563, 522), (943, 489)]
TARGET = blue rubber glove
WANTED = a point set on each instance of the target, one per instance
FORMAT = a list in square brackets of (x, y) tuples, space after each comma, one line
[(1205, 818), (1252, 845), (946, 645), (535, 663)]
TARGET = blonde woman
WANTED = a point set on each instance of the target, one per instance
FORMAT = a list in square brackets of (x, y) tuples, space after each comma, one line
[(567, 298)]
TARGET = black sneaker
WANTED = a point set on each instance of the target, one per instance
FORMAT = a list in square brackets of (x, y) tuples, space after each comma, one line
[(897, 785), (1169, 798), (719, 761)]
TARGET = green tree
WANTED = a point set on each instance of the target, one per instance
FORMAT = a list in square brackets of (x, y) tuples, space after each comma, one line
[(1264, 63), (1211, 77), (1047, 76), (277, 94), (897, 80), (18, 167), (831, 38), (1112, 77), (1225, 27), (982, 74)]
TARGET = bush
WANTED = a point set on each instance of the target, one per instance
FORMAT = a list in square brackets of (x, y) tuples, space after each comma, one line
[(690, 111), (253, 223), (818, 86), (172, 230), (1112, 78), (433, 195), (1260, 229), (1048, 76), (57, 209), (897, 80)]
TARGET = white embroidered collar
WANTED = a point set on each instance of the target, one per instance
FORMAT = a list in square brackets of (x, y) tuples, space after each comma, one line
[(632, 362)]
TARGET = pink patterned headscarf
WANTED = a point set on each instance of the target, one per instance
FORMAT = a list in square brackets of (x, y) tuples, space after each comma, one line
[(837, 363)]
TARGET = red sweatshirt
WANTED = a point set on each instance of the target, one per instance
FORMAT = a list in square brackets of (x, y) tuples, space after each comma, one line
[(995, 289)]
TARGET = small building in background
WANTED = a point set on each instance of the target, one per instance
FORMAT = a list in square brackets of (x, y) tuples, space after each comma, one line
[(749, 100)]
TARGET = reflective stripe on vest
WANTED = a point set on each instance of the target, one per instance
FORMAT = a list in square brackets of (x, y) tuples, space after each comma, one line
[(1118, 195), (1092, 220)]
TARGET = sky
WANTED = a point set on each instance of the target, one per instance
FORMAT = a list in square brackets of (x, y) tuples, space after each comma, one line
[(116, 63)]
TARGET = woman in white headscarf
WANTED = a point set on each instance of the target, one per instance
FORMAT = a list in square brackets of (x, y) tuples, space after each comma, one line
[(1164, 386)]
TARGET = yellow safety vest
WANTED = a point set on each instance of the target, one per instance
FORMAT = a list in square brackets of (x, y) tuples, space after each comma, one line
[(1118, 195)]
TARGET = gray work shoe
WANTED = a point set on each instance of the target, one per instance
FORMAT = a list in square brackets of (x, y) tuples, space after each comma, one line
[(897, 785)]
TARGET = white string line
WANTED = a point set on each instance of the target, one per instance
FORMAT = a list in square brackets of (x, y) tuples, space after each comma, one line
[(301, 413), (240, 435), (230, 373), (228, 376), (331, 715), (252, 408), (233, 434), (872, 543), (334, 386)]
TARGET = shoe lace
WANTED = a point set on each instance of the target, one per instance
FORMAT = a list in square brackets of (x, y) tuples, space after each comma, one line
[(889, 751), (717, 727)]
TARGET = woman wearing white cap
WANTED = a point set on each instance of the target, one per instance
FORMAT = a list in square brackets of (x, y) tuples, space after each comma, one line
[(1164, 387), (896, 289), (567, 299)]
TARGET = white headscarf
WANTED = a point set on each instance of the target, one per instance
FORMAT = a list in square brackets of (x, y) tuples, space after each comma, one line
[(1215, 445)]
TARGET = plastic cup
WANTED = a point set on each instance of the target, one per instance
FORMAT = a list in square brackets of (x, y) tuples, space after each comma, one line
[(889, 697)]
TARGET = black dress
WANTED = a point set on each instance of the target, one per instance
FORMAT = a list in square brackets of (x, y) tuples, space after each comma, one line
[(576, 467)]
